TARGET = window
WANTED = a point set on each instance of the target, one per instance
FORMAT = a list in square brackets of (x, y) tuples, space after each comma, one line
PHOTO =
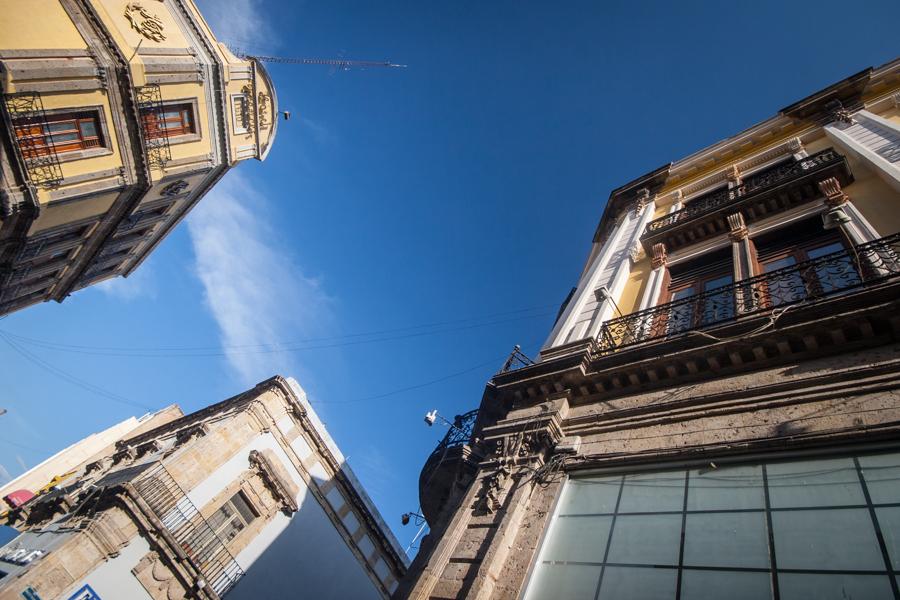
[(174, 119), (779, 252), (232, 517), (62, 132), (831, 525), (692, 291), (240, 113)]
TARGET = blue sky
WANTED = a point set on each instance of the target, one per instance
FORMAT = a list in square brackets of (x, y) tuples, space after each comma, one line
[(410, 226)]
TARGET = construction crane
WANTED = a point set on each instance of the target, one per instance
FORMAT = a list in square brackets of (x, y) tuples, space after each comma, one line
[(338, 63)]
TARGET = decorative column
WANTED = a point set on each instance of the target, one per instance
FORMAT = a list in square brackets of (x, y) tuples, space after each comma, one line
[(659, 261), (841, 213), (740, 247)]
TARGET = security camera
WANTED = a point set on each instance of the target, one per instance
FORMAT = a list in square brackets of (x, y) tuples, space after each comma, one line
[(287, 115), (431, 417)]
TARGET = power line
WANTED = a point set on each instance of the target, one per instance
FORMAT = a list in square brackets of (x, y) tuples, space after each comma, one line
[(496, 361), (96, 390), (274, 347)]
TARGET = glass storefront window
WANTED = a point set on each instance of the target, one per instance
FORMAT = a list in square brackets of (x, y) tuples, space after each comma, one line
[(790, 529)]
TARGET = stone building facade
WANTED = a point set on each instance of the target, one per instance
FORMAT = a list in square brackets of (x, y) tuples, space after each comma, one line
[(247, 498), (117, 117), (716, 411)]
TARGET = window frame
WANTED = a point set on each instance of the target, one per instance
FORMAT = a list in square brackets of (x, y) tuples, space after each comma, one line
[(182, 104), (763, 460), (103, 133)]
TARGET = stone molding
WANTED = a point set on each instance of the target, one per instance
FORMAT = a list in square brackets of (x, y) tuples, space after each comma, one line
[(831, 189), (276, 479), (659, 258)]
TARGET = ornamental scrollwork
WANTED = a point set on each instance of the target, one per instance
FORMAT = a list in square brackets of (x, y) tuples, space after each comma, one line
[(148, 25), (174, 188)]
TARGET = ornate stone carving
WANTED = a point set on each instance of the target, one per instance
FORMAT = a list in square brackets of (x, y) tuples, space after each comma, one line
[(831, 189), (737, 227), (795, 146), (636, 253), (642, 200), (276, 479), (838, 114), (158, 579), (493, 491), (733, 176), (148, 25), (189, 433), (658, 256), (175, 188), (262, 107)]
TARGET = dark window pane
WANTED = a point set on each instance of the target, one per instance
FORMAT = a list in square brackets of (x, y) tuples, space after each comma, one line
[(556, 582), (653, 492), (797, 586), (889, 522), (827, 482), (637, 584), (729, 585), (882, 475), (88, 128), (726, 540), (578, 539), (726, 488), (590, 495), (833, 539), (645, 540)]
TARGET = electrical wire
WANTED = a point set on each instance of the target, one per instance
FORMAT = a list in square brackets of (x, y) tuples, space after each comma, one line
[(96, 390), (274, 347)]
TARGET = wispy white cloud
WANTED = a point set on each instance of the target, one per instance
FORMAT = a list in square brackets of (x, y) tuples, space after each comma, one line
[(21, 462), (254, 288), (141, 283), (241, 22), (4, 475), (375, 471)]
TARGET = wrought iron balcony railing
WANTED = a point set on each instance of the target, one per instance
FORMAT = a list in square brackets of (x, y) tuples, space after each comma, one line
[(33, 142), (752, 185), (191, 531), (828, 275), (153, 125)]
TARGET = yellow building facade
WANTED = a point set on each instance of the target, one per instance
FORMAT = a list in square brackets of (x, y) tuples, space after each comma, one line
[(118, 117)]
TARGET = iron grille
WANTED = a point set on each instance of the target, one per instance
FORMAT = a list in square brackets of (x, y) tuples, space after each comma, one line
[(153, 125), (461, 432), (35, 147), (753, 184), (192, 532), (828, 275), (516, 360)]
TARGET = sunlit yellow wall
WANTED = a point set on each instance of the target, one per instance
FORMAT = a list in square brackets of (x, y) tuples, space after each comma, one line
[(60, 214), (634, 287), (113, 14), (877, 201), (37, 24)]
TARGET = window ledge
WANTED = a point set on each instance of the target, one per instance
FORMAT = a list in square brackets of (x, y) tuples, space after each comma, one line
[(76, 155)]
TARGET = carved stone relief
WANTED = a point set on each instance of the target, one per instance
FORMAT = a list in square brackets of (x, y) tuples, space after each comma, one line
[(158, 579), (145, 23), (174, 188)]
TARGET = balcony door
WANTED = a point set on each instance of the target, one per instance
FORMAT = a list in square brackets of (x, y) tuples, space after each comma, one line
[(801, 261), (699, 293)]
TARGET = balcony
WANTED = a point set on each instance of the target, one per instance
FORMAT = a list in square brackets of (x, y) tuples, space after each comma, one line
[(442, 470), (34, 141), (154, 133), (768, 192), (775, 292)]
